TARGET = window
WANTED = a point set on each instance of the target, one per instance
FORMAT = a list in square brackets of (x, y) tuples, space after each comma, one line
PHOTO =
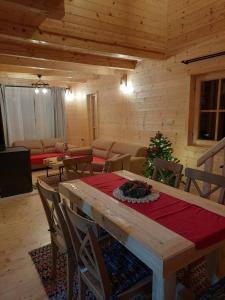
[(209, 107)]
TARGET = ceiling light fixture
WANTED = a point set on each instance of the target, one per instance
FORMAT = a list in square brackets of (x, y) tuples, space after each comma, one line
[(40, 85)]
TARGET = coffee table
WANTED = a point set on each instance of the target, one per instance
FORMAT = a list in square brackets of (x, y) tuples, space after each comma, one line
[(55, 164)]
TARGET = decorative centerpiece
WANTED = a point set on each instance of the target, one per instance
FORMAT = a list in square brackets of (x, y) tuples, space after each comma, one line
[(135, 191), (59, 158)]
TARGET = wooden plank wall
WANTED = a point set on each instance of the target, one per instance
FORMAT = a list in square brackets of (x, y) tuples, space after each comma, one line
[(161, 88), (77, 122)]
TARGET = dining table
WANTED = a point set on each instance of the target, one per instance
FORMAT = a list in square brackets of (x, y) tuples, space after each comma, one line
[(167, 234)]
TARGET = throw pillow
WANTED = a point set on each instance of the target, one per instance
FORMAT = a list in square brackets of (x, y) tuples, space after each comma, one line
[(60, 147)]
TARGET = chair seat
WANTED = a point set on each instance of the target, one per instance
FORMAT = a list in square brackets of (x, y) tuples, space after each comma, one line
[(216, 292), (124, 269)]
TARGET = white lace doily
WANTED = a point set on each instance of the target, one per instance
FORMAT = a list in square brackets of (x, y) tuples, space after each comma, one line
[(118, 194)]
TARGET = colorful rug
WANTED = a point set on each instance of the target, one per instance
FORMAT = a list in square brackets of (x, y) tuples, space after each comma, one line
[(56, 289)]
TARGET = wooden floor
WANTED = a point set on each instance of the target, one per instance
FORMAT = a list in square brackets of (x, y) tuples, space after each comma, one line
[(23, 227)]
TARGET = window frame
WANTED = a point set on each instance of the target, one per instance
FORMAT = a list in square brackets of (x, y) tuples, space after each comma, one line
[(194, 119)]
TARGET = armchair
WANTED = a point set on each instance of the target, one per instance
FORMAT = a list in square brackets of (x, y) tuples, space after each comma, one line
[(117, 163)]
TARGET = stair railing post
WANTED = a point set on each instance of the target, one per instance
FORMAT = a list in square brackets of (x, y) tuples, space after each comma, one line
[(208, 168)]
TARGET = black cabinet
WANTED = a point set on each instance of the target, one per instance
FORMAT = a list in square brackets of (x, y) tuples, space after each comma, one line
[(15, 171)]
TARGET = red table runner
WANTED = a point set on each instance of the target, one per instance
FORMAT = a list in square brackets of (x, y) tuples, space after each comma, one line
[(194, 223)]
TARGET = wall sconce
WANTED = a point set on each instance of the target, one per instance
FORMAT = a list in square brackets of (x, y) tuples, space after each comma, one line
[(80, 96), (126, 86), (69, 96)]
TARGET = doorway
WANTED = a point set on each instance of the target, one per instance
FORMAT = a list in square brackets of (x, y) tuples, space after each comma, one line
[(92, 109)]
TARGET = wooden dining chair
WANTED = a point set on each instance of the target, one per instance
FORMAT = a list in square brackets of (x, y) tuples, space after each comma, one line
[(106, 271), (60, 236), (169, 172), (77, 167), (117, 163), (218, 181)]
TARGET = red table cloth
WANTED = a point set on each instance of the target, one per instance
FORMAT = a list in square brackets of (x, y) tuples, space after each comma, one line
[(194, 223)]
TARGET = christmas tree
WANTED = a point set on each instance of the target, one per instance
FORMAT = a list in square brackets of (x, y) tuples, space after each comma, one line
[(160, 147)]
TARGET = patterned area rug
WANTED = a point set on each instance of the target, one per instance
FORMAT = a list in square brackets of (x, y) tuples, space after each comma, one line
[(56, 289)]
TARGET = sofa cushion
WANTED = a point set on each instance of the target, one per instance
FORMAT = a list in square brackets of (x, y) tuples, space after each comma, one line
[(74, 151), (101, 148), (37, 159), (137, 165), (35, 146), (127, 148), (98, 164), (49, 144), (60, 147)]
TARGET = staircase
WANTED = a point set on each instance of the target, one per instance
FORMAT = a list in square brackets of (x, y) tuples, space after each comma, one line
[(208, 160)]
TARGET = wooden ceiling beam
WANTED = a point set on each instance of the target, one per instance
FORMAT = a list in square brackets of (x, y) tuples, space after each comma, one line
[(47, 79), (17, 48), (41, 64), (28, 82), (35, 35), (57, 74), (51, 8)]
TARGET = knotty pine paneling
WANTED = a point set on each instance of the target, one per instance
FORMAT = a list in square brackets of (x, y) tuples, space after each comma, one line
[(77, 123), (193, 22)]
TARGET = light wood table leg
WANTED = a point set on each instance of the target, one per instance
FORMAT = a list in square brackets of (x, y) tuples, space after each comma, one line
[(163, 288)]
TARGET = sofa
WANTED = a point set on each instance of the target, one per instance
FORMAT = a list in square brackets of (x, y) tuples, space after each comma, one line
[(103, 150), (41, 149)]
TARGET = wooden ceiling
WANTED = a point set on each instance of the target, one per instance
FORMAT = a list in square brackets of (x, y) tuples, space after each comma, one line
[(72, 41)]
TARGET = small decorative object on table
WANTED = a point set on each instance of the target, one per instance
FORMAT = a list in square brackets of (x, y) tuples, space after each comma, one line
[(59, 158), (135, 191)]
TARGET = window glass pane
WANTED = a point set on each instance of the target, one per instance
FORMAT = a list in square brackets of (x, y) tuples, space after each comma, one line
[(207, 123), (221, 126), (209, 91), (222, 94)]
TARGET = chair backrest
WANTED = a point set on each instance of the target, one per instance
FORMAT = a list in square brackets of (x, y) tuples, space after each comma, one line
[(168, 171), (76, 166), (84, 237), (70, 165), (78, 226), (196, 175), (117, 163), (56, 221)]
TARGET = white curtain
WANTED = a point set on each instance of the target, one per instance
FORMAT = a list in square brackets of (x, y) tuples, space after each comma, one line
[(58, 95), (44, 113), (3, 111), (30, 115)]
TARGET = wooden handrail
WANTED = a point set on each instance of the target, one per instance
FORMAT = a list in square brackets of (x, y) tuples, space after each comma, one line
[(211, 152)]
